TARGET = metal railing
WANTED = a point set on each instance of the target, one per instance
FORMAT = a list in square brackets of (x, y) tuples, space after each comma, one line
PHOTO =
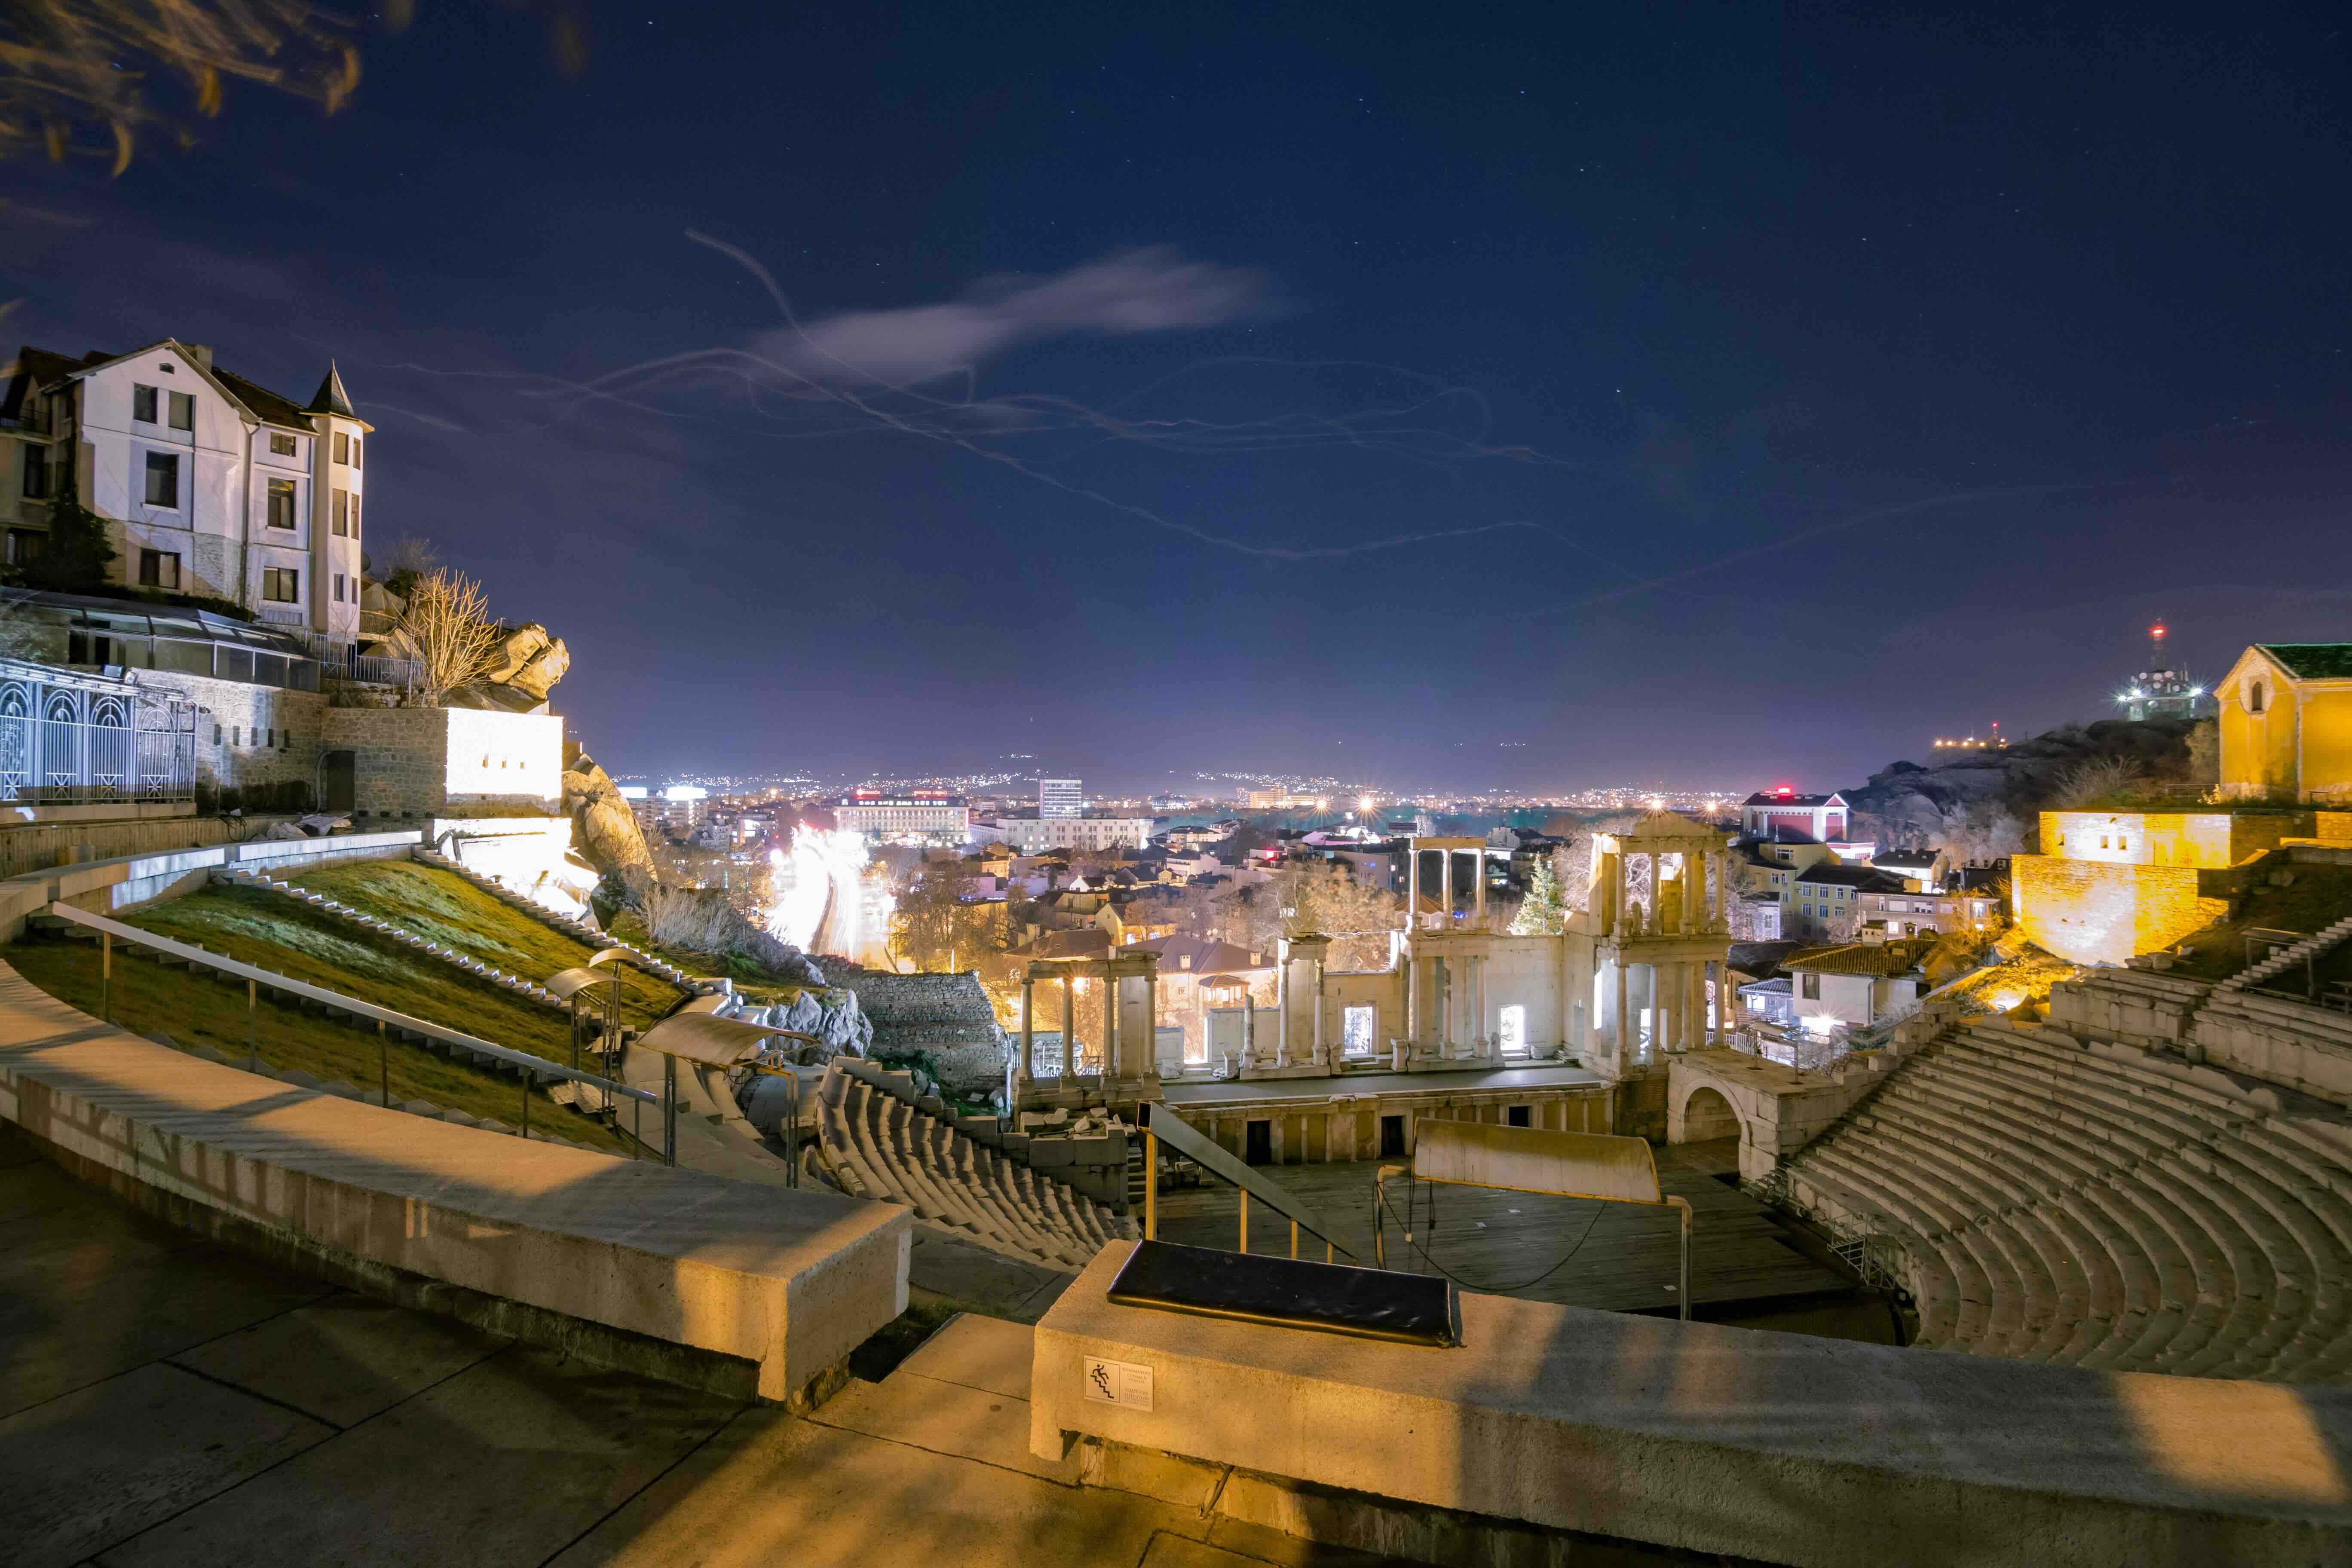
[(115, 747), (340, 659)]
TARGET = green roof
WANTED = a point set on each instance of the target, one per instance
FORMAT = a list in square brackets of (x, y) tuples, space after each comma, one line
[(2312, 660)]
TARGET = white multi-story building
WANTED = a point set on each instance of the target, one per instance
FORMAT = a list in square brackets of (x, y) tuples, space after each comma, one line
[(910, 814), (212, 486), (1029, 834), (1061, 797)]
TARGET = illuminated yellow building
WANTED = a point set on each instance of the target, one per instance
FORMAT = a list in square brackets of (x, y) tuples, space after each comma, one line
[(2287, 723)]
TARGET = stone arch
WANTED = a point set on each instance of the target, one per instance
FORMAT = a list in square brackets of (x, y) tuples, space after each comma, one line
[(1706, 1114)]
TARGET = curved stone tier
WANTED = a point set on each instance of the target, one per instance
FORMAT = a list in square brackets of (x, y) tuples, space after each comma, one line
[(874, 1144), (2096, 1206)]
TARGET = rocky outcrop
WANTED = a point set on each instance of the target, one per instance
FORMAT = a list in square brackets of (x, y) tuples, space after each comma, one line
[(1986, 804), (604, 829), (523, 668)]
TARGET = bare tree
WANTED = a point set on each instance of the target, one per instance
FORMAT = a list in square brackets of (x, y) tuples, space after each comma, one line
[(409, 557), (2092, 781), (448, 625), (69, 68)]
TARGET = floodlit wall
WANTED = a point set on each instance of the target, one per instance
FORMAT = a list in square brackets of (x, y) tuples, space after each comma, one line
[(427, 761), (2091, 911), (2298, 744)]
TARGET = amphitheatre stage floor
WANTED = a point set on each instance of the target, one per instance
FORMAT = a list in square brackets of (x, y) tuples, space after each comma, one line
[(1745, 1267)]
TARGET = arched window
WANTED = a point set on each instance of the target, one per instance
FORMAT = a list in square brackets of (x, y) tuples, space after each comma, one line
[(2254, 697)]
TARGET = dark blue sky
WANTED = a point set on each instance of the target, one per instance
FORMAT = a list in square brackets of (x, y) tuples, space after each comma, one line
[(1703, 392)]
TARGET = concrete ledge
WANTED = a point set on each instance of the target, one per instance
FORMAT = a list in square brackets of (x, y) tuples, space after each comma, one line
[(1779, 1447), (789, 1282)]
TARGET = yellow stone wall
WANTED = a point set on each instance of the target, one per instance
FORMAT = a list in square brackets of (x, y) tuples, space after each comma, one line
[(2140, 838), (2104, 911)]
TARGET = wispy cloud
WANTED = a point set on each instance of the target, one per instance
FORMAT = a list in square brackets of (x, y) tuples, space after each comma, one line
[(1150, 290)]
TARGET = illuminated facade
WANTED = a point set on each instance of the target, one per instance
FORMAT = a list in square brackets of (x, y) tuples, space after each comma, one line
[(904, 813), (1095, 831), (2287, 723), (211, 486)]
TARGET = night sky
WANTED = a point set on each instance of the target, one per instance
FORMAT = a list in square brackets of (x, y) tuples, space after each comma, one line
[(1704, 393)]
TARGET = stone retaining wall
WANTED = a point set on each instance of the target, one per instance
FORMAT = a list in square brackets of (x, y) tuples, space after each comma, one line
[(782, 1284), (1782, 1448)]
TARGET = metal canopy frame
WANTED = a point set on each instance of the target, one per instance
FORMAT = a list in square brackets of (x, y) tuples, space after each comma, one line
[(1197, 1147), (1599, 1168)]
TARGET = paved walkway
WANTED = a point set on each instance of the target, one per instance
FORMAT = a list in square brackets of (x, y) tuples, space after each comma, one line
[(165, 1401)]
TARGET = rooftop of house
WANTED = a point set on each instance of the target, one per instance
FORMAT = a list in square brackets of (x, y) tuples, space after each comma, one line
[(1874, 958), (1905, 859), (2312, 660), (1795, 801), (38, 368), (1831, 872)]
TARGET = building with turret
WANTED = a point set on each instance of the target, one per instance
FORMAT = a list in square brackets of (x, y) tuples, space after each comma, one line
[(211, 486)]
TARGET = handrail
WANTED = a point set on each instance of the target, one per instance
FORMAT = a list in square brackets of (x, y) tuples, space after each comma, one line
[(1196, 1146), (390, 1017)]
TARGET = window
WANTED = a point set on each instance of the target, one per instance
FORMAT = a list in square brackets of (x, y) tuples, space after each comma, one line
[(355, 517), (355, 453), (339, 587), (1511, 1025), (142, 404), (339, 513), (184, 411), (1809, 986), (280, 445), (342, 447), (2254, 696), (25, 545), (1518, 1116), (1356, 1024), (281, 585), (159, 569), (281, 503), (163, 478), (36, 473)]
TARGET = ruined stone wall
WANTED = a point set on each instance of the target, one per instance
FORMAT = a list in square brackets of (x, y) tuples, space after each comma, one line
[(2099, 912)]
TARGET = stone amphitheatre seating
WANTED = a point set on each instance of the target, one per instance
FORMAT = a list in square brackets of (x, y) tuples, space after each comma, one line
[(874, 1142), (2100, 1206)]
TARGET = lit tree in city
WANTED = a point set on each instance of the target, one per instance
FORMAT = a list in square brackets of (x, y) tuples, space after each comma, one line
[(1545, 910)]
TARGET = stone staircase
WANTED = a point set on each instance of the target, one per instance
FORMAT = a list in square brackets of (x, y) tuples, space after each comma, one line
[(2318, 944), (875, 1140), (2099, 1206)]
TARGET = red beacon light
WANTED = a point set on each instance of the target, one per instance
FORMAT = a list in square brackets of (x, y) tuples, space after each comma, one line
[(1785, 790)]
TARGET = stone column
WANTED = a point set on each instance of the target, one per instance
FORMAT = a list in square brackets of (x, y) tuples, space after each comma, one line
[(1479, 862), (1322, 1054), (1445, 889), (1110, 1021), (1480, 1032), (1412, 967), (1281, 1003), (1249, 1027), (1624, 1048), (1412, 885), (1694, 1037), (1152, 1018), (1069, 1025), (1026, 1066)]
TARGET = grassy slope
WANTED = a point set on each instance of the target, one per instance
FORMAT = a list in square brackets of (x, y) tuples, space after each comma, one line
[(445, 908), (193, 1010)]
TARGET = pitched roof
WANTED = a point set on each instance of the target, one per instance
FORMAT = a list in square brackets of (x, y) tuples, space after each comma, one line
[(40, 367), (272, 409), (331, 397), (1879, 958), (1906, 857), (2312, 660), (1767, 797), (1831, 872)]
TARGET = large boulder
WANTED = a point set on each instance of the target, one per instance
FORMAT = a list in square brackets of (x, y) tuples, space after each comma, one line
[(604, 828)]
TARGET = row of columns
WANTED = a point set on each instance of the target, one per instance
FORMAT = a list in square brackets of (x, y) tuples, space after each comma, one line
[(1679, 1007), (1704, 899), (1457, 1004), (1444, 883), (1114, 1054)]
